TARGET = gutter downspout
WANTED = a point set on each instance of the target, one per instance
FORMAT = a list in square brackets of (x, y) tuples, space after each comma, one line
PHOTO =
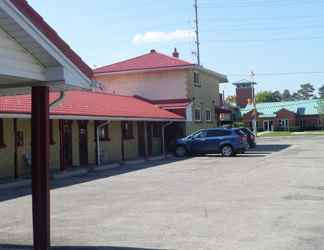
[(53, 105), (58, 100), (98, 141), (163, 137)]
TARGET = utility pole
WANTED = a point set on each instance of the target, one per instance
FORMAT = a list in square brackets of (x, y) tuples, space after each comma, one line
[(255, 116), (197, 31)]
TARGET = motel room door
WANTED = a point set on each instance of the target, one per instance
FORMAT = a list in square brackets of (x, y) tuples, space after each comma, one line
[(150, 138), (141, 139), (83, 143), (66, 144)]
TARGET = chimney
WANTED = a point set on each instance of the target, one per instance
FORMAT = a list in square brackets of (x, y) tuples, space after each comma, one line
[(153, 51), (175, 53)]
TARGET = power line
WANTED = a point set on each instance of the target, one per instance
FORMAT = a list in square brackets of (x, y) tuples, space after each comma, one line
[(259, 4), (265, 28), (283, 73), (266, 40), (272, 19)]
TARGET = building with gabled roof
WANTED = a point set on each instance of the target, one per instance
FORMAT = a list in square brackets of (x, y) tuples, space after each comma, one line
[(148, 62), (132, 129), (169, 82), (85, 125)]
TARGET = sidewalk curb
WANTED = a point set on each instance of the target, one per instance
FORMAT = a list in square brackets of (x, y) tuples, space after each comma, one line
[(106, 167), (15, 184), (68, 174), (156, 158), (134, 162)]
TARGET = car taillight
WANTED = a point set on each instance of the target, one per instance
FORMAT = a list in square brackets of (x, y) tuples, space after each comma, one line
[(252, 137), (243, 138)]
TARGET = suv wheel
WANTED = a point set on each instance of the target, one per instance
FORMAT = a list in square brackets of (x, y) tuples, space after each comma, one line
[(227, 151), (181, 151)]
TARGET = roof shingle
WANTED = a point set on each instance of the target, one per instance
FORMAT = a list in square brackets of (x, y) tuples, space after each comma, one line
[(150, 61), (82, 103)]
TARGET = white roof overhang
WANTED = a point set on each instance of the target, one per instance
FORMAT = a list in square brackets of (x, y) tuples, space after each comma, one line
[(50, 66)]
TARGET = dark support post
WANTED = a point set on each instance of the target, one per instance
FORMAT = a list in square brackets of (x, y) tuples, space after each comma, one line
[(40, 167)]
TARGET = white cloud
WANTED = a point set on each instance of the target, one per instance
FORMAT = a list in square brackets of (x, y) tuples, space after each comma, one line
[(157, 37)]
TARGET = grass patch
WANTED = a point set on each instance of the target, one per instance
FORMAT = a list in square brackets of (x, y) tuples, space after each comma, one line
[(287, 133)]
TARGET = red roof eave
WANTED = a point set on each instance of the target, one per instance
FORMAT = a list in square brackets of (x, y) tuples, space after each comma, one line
[(92, 104), (143, 69), (23, 7)]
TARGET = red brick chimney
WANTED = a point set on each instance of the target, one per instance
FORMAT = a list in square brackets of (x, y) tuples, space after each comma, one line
[(175, 53)]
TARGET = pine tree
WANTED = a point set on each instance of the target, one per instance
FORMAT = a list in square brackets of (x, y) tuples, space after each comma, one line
[(286, 96), (276, 96), (321, 92), (306, 91)]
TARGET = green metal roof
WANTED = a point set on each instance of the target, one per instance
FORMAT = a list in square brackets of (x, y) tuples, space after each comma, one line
[(269, 109)]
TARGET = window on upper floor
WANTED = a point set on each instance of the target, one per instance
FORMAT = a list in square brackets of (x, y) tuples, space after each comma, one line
[(208, 116), (2, 144), (197, 115), (196, 78)]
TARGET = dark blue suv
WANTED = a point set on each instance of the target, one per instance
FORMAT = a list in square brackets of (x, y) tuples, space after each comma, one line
[(228, 142)]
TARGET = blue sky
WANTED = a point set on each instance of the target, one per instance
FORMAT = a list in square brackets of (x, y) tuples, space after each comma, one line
[(237, 36)]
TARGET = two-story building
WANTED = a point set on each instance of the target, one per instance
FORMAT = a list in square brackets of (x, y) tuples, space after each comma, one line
[(170, 83)]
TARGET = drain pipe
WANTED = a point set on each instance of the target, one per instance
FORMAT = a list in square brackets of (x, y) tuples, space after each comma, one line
[(98, 141), (163, 137), (58, 100)]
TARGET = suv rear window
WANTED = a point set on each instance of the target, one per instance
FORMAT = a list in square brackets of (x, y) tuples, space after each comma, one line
[(246, 131), (215, 133), (239, 132)]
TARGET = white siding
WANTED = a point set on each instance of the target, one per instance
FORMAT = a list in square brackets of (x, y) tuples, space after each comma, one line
[(159, 85), (16, 61)]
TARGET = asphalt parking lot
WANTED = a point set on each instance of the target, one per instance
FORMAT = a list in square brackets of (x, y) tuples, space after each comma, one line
[(271, 198)]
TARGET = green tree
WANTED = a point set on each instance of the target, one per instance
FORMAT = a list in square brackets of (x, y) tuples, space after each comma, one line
[(296, 96), (306, 91), (276, 96), (321, 92), (286, 96), (264, 96)]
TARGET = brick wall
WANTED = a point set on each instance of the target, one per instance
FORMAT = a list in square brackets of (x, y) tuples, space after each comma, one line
[(243, 95)]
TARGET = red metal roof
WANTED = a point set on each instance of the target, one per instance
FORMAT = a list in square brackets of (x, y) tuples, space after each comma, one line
[(51, 35), (150, 61), (168, 104), (172, 104), (82, 103)]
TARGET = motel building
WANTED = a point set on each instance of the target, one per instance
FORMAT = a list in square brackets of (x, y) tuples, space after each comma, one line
[(86, 128), (51, 120)]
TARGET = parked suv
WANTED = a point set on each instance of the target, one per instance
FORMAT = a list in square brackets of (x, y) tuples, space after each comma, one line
[(228, 142)]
